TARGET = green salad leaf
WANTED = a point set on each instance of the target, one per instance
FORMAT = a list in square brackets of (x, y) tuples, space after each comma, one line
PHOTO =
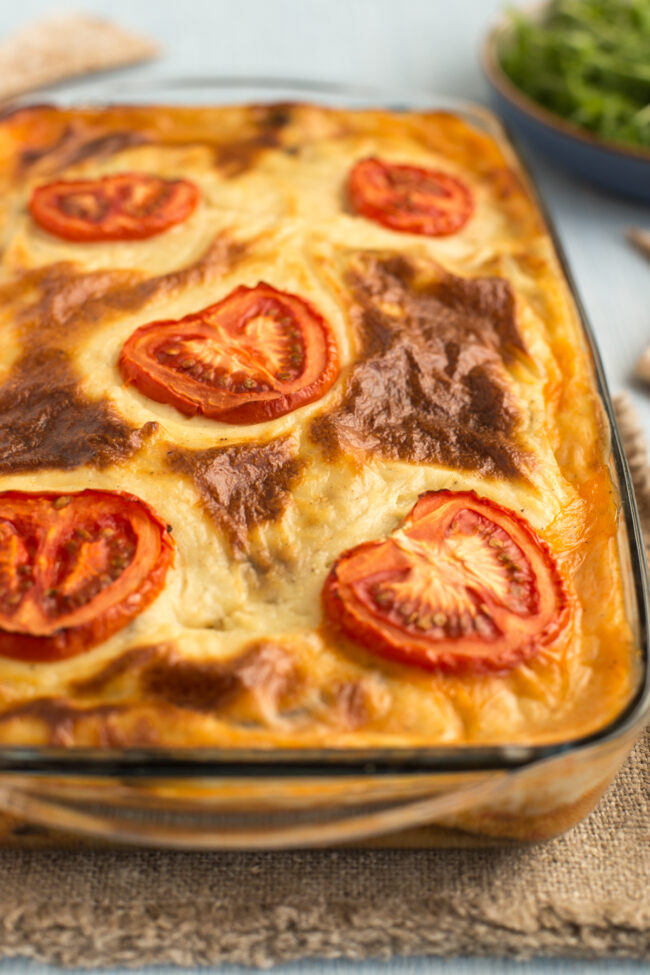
[(588, 61)]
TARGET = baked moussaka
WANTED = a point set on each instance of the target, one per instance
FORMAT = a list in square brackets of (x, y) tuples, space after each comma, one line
[(300, 443)]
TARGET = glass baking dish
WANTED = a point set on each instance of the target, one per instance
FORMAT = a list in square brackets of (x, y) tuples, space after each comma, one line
[(242, 799)]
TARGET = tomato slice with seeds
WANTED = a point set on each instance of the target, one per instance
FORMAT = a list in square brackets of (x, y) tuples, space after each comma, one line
[(125, 206), (464, 585), (256, 355), (75, 568), (409, 199)]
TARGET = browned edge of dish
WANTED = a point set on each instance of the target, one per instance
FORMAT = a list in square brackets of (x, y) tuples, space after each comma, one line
[(138, 764)]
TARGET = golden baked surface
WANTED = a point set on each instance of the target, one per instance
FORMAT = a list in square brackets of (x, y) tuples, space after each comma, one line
[(233, 651)]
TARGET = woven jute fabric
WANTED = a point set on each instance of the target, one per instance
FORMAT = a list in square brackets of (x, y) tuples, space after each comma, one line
[(63, 46), (583, 895)]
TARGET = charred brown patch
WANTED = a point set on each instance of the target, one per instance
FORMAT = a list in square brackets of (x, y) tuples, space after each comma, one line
[(275, 116), (243, 485), (253, 687), (60, 139), (103, 725), (429, 385), (75, 144), (239, 155), (48, 299), (46, 422), (196, 685), (128, 662), (218, 259), (58, 716), (63, 294), (263, 671)]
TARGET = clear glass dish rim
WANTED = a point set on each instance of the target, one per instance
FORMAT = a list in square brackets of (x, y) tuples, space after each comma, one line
[(191, 763)]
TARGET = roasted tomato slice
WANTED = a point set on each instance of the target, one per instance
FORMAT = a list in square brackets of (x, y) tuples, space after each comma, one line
[(464, 585), (126, 206), (75, 568), (409, 199), (257, 354)]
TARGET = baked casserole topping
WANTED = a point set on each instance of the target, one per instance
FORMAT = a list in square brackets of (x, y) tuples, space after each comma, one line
[(299, 439)]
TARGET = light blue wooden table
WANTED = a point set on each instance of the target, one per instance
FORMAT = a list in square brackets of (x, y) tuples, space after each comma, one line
[(426, 45)]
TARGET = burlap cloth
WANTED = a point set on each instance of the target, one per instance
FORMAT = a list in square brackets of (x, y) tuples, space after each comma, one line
[(584, 895)]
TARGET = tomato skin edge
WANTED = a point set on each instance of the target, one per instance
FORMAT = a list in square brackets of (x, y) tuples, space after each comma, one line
[(390, 215), (74, 231), (443, 662), (139, 374), (446, 661), (69, 642), (247, 413)]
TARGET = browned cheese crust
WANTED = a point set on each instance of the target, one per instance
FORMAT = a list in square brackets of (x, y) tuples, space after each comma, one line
[(463, 367)]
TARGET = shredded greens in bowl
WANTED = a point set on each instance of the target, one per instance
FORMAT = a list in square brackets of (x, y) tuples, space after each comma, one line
[(588, 61)]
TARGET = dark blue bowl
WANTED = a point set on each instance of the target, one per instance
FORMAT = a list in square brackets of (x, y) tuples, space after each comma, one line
[(613, 166)]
